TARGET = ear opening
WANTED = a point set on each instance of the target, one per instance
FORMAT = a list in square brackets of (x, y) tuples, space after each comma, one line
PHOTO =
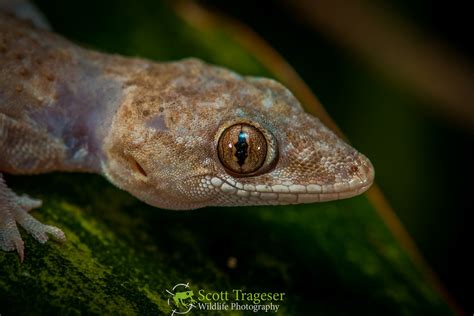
[(137, 167)]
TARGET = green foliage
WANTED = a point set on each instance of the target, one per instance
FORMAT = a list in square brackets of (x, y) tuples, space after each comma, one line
[(121, 255)]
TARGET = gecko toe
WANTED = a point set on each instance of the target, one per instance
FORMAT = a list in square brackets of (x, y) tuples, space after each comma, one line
[(57, 233), (39, 230), (28, 203), (10, 238)]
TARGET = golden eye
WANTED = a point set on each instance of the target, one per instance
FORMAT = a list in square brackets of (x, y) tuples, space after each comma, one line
[(242, 148)]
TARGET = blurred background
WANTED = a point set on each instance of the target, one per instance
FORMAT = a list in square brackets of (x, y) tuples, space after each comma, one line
[(397, 77)]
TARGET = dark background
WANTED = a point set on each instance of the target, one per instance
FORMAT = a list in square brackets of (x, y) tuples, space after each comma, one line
[(423, 159)]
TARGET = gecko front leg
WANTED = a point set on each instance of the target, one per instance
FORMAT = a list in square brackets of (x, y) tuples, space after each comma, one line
[(14, 210)]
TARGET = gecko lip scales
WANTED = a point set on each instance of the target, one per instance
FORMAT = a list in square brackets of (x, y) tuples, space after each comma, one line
[(292, 194)]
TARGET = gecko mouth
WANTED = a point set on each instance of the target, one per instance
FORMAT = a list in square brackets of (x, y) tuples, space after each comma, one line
[(295, 193), (357, 185)]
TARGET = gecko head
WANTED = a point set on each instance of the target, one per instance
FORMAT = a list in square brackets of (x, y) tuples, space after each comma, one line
[(213, 138)]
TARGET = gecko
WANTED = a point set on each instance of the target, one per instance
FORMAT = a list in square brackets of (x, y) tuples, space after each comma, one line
[(176, 135)]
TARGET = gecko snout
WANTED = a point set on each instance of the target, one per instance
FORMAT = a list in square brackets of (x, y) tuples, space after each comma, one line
[(362, 176)]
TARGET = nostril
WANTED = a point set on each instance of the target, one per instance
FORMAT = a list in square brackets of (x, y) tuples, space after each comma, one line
[(368, 171)]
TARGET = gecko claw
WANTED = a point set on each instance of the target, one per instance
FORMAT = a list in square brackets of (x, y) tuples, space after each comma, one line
[(20, 249)]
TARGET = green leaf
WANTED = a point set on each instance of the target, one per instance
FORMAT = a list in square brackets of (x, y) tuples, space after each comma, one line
[(343, 257)]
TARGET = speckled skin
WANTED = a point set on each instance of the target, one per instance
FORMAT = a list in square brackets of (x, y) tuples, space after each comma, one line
[(152, 129)]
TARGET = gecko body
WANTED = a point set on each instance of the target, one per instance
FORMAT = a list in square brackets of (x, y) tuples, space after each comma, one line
[(177, 135)]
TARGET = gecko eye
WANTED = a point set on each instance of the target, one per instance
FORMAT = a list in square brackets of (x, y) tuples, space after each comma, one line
[(243, 149)]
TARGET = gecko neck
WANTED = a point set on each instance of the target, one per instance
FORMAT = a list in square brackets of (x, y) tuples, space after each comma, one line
[(85, 106), (63, 95)]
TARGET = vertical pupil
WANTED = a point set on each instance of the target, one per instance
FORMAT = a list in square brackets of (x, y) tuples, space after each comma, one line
[(241, 148)]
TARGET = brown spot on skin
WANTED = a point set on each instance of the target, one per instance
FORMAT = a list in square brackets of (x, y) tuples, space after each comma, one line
[(49, 77), (23, 72), (19, 56), (354, 169), (19, 88)]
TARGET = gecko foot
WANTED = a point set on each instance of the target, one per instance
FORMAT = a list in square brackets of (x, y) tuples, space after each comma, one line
[(14, 210)]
